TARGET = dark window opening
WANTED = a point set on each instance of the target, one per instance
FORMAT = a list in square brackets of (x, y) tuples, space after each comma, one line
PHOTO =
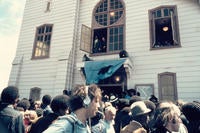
[(163, 31), (100, 41)]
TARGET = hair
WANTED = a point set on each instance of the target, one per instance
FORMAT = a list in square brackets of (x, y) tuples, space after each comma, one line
[(59, 102), (79, 94), (165, 112), (46, 99), (9, 95), (24, 103)]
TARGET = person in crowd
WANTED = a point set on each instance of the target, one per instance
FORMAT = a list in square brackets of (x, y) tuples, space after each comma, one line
[(105, 125), (167, 119), (154, 99), (30, 116), (60, 107), (24, 103), (191, 110), (122, 117), (150, 105), (45, 105), (129, 93), (134, 98), (133, 127), (96, 45), (96, 122), (84, 103), (11, 120), (103, 45), (140, 113)]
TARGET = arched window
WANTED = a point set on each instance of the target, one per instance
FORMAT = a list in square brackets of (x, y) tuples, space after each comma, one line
[(108, 27)]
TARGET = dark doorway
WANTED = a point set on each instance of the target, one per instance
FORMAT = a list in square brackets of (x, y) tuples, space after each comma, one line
[(112, 90), (116, 84)]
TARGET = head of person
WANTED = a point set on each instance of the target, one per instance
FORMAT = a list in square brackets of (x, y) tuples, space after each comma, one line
[(60, 104), (46, 99), (133, 127), (167, 115), (10, 95), (24, 103), (88, 97), (110, 113), (140, 112)]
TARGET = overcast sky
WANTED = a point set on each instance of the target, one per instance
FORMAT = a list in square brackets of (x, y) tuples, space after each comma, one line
[(11, 13)]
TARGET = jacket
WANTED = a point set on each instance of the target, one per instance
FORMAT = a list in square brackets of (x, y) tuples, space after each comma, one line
[(11, 120), (68, 124)]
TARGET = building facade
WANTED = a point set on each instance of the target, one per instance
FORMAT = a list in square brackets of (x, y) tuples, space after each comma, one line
[(152, 47)]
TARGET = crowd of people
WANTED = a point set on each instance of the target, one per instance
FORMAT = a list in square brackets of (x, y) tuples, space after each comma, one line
[(86, 110)]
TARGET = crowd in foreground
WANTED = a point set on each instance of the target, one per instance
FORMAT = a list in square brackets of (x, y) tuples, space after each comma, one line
[(86, 110)]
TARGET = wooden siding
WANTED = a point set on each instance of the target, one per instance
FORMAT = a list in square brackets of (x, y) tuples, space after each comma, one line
[(183, 61), (53, 74), (48, 74)]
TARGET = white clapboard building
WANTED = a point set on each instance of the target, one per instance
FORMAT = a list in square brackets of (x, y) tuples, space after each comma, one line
[(152, 46)]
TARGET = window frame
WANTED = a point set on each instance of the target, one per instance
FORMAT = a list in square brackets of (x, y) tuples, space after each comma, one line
[(119, 23), (145, 88), (36, 40), (174, 84), (174, 26)]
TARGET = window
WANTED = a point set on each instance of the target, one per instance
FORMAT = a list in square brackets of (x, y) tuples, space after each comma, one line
[(164, 31), (107, 28), (42, 41), (145, 90), (35, 94), (167, 86)]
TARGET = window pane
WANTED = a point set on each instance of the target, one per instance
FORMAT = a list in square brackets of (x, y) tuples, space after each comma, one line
[(121, 38), (158, 13), (116, 31), (121, 30), (114, 16), (166, 12), (111, 47), (111, 38), (116, 46), (116, 38), (120, 45), (39, 30)]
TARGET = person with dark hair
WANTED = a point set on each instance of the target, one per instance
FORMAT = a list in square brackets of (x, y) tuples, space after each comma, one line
[(122, 117), (154, 99), (84, 103), (191, 110), (46, 100), (24, 103), (140, 113), (11, 120), (60, 107)]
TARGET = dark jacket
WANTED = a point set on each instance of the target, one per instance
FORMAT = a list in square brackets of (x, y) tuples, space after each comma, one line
[(43, 123), (11, 120)]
